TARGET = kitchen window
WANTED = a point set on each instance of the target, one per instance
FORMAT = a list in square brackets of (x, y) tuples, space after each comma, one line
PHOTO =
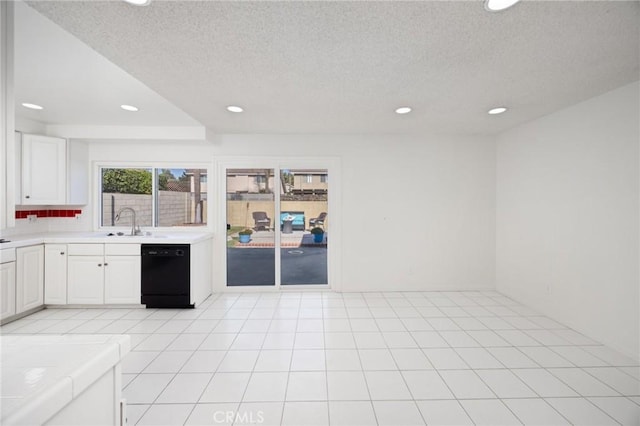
[(161, 197)]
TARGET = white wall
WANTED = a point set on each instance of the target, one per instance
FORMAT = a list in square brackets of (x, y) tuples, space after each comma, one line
[(568, 217), (418, 213)]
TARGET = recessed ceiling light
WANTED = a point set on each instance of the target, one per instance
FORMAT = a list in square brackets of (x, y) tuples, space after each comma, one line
[(31, 106), (403, 110), (498, 110), (138, 2), (129, 108), (234, 108), (498, 5)]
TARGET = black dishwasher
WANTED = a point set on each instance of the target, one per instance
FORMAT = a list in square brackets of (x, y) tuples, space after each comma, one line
[(166, 275)]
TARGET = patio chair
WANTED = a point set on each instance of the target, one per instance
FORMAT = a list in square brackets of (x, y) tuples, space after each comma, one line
[(318, 221), (262, 221)]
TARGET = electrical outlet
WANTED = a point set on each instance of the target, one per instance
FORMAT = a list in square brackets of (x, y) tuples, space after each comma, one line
[(32, 217)]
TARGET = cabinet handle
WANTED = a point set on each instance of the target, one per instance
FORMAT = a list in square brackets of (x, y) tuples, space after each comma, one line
[(61, 253), (106, 264), (99, 264), (27, 196)]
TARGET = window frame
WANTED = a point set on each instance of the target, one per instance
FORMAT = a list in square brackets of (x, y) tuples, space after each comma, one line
[(155, 168)]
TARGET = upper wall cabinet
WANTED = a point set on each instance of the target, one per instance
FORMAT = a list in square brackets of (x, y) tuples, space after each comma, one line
[(44, 166), (53, 171)]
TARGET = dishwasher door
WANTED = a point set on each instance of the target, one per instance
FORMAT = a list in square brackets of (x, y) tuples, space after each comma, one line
[(166, 275)]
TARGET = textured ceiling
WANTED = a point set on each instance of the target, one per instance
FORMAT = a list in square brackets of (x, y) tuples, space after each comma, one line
[(343, 67)]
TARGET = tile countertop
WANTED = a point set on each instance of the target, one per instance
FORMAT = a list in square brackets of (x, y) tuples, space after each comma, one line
[(101, 237), (42, 374)]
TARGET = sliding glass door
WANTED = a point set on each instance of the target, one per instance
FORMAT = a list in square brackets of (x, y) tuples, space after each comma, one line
[(284, 208), (250, 227), (304, 226)]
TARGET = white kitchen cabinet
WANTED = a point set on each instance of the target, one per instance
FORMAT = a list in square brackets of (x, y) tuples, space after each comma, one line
[(103, 274), (44, 166), (201, 271), (29, 277), (122, 279), (63, 180), (85, 281), (55, 274), (7, 289)]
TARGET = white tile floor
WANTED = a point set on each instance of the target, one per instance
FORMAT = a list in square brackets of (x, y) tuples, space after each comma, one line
[(396, 358)]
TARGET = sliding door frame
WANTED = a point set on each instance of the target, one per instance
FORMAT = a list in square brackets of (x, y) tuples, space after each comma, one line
[(334, 240)]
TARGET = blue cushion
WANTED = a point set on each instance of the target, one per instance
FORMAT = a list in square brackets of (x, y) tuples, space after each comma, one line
[(298, 219)]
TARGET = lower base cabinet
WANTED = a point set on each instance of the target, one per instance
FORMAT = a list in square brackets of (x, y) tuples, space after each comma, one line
[(29, 278), (103, 274), (122, 279), (21, 280), (55, 274), (85, 280), (7, 289)]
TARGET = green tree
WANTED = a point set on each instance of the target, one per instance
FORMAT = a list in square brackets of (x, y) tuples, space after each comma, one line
[(126, 181)]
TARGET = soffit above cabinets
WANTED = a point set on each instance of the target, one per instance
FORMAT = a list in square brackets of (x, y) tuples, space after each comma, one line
[(75, 84)]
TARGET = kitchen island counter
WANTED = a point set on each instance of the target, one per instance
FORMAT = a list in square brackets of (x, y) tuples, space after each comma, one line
[(62, 379)]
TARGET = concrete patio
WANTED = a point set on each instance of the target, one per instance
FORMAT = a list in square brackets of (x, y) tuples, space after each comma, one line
[(256, 266), (267, 239)]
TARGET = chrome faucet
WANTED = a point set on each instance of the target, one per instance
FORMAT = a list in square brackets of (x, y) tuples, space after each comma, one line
[(135, 230)]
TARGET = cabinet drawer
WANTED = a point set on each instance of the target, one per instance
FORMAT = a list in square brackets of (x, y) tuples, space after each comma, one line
[(86, 249), (122, 249)]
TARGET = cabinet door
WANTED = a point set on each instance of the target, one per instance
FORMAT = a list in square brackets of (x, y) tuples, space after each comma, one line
[(7, 289), (122, 279), (85, 280), (29, 278), (44, 164), (55, 274)]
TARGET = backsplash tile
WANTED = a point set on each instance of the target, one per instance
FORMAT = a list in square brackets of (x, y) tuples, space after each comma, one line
[(22, 214)]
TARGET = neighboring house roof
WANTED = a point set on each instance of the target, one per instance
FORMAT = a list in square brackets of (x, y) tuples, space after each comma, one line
[(178, 186)]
